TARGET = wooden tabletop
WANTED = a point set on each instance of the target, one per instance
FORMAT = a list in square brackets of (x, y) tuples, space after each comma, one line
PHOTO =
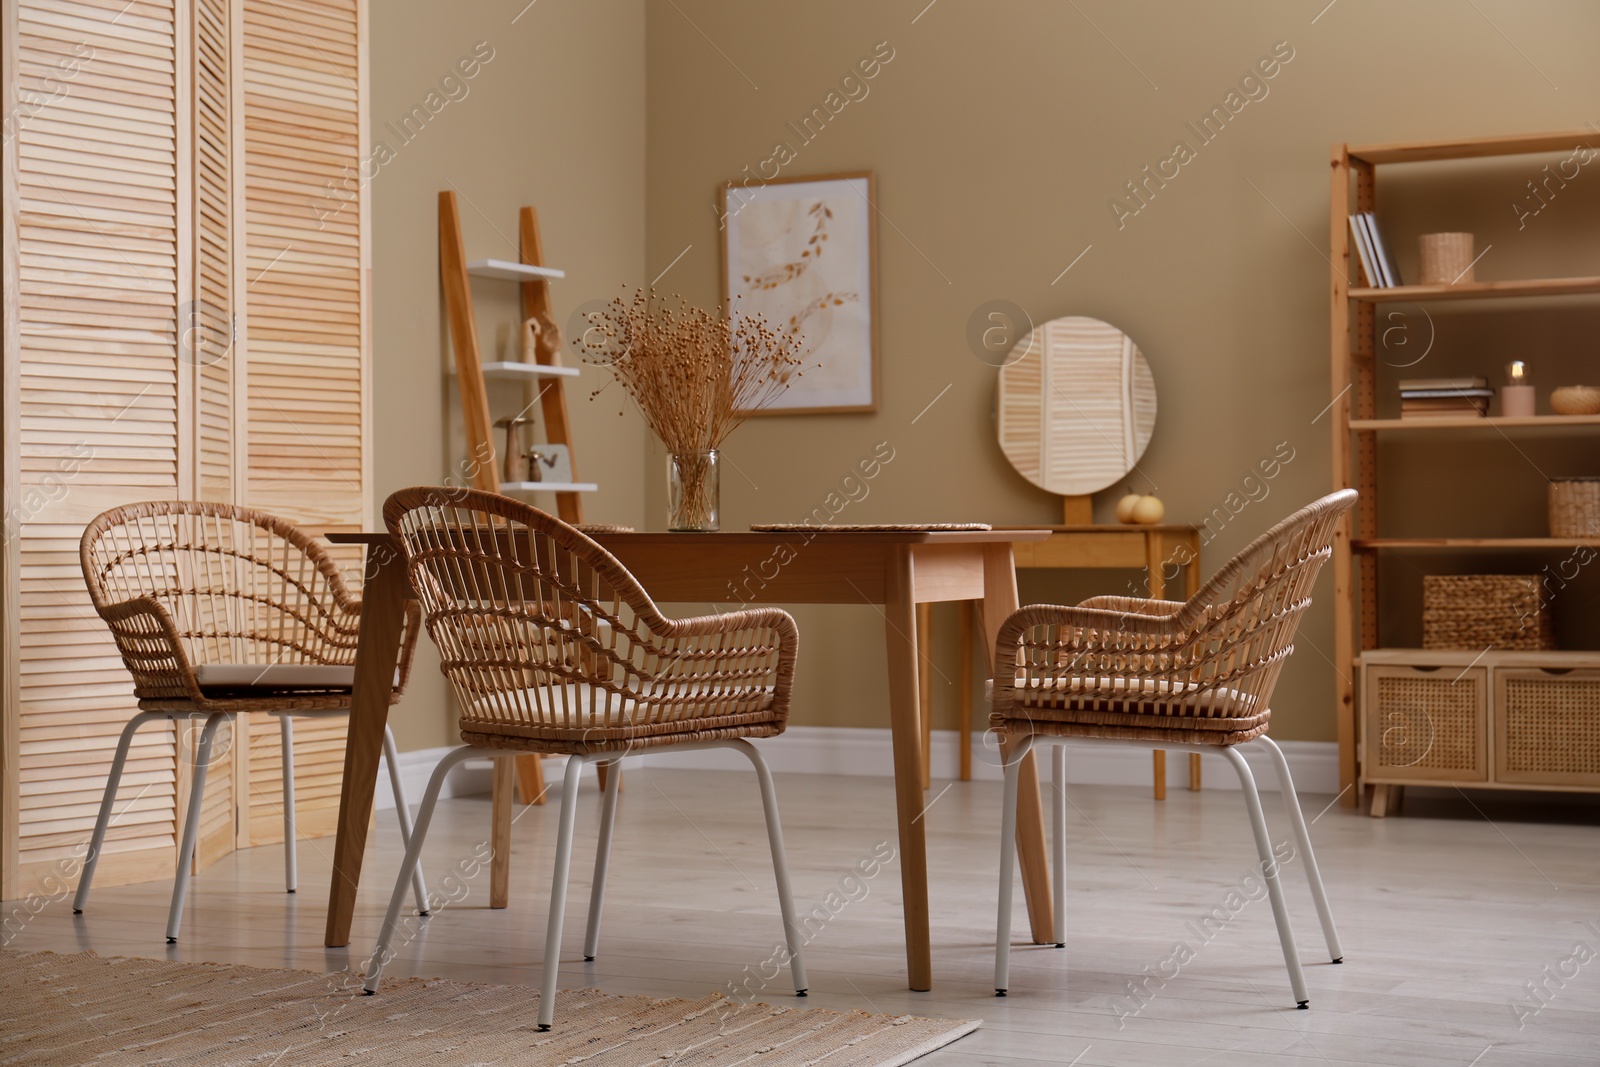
[(765, 537), (1111, 527)]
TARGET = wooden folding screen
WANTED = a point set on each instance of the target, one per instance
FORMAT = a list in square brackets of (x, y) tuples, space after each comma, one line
[(182, 318)]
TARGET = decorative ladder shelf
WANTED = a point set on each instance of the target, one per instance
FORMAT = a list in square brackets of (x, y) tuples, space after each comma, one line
[(457, 272)]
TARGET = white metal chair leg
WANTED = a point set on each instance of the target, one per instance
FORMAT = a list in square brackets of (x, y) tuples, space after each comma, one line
[(1008, 860), (291, 874), (419, 833), (1058, 844), (558, 891), (1269, 871), (780, 863), (403, 811), (107, 802), (191, 823), (602, 861), (1302, 838)]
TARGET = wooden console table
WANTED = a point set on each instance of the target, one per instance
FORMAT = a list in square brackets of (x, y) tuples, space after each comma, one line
[(1087, 547)]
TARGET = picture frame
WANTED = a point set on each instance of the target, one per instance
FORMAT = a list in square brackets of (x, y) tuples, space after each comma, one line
[(772, 235)]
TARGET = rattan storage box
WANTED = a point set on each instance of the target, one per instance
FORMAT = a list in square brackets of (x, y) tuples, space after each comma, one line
[(1476, 612), (1574, 507), (1547, 725)]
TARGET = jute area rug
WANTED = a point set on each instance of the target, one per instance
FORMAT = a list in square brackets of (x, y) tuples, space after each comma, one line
[(109, 1012)]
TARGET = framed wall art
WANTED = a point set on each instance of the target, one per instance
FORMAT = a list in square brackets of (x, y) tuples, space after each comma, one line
[(802, 253)]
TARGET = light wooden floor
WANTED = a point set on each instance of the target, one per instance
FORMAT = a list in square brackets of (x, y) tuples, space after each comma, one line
[(1446, 912)]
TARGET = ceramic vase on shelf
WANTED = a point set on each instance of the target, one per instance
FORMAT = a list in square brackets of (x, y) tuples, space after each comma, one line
[(694, 491)]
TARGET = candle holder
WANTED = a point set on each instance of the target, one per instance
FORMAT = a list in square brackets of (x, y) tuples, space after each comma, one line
[(1517, 395)]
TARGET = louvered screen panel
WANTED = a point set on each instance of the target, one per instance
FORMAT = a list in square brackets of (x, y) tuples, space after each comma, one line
[(305, 269), (208, 342), (98, 264)]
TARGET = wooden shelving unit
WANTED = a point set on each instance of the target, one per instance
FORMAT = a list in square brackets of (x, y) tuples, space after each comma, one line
[(1356, 425)]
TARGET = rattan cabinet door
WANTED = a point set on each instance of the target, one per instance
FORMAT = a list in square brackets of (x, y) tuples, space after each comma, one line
[(1547, 726), (1425, 724)]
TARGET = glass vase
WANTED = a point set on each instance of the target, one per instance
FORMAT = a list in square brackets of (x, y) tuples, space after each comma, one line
[(693, 492)]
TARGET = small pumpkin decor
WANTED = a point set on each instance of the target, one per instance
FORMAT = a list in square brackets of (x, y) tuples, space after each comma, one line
[(1143, 509)]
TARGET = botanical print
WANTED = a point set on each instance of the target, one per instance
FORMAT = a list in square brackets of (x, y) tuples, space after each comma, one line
[(799, 255)]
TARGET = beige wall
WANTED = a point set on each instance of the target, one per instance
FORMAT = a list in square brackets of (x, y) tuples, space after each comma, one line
[(998, 133), (555, 119)]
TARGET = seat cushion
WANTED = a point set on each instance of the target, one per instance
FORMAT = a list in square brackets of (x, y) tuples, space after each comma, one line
[(276, 676), (568, 722), (1132, 709)]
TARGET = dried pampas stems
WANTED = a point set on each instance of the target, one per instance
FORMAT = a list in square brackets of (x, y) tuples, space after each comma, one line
[(695, 376)]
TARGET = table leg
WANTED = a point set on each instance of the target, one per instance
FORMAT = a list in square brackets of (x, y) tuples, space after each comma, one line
[(964, 686), (925, 687), (377, 650), (900, 632), (1191, 586), (505, 772), (1158, 770), (530, 780), (999, 601)]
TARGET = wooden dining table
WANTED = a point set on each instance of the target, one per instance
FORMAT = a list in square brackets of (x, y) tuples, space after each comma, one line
[(888, 570)]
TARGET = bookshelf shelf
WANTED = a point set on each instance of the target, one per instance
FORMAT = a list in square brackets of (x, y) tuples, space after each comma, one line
[(1525, 287), (1358, 461), (1547, 544), (1474, 422)]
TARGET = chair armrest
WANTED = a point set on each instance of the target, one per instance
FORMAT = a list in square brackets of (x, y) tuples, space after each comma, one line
[(1134, 605), (151, 648), (767, 626), (1088, 640)]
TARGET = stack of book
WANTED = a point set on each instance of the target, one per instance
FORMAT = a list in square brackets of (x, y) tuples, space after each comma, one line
[(1444, 398), (1376, 262)]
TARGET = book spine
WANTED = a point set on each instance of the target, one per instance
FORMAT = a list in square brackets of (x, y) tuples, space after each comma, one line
[(1359, 239)]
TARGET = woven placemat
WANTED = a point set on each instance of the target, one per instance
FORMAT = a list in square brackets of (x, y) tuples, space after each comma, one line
[(600, 528), (68, 1010), (800, 527)]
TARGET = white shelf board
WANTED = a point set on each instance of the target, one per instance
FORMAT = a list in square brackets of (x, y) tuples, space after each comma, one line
[(517, 370), (548, 487), (507, 271)]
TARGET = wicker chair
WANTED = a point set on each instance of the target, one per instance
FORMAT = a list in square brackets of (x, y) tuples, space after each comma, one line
[(220, 611), (1198, 675), (552, 647)]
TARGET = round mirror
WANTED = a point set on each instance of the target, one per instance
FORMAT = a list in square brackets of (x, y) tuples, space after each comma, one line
[(1076, 407)]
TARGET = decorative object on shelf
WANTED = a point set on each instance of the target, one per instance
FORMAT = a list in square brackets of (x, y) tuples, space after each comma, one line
[(1076, 408), (1576, 400), (694, 492), (802, 254), (1140, 509), (1575, 507), (1446, 259), (695, 378), (1439, 398), (531, 331), (514, 462), (1486, 611), (1126, 505), (1517, 395)]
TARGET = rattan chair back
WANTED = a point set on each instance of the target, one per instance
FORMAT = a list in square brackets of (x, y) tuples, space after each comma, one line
[(547, 638), (186, 583), (1218, 656)]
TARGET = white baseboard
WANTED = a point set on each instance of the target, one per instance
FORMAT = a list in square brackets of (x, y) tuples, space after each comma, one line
[(848, 750), (867, 752)]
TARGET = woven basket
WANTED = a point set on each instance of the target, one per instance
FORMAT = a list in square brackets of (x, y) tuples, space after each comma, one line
[(1575, 507), (1485, 611)]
